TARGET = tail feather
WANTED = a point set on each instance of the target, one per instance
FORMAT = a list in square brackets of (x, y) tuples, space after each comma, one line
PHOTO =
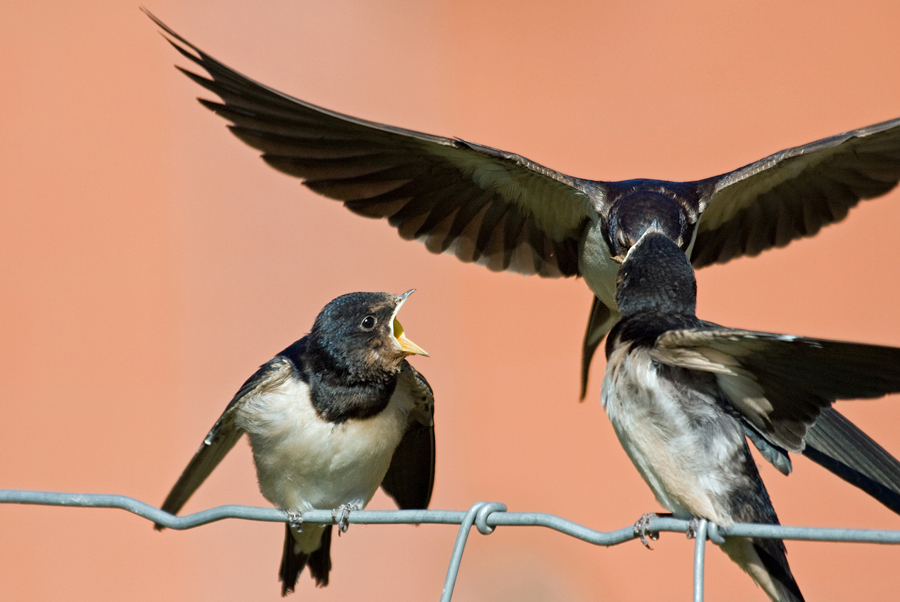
[(600, 321), (293, 562), (765, 561), (320, 560), (774, 558)]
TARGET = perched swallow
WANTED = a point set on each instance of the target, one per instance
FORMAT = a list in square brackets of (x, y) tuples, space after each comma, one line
[(330, 418), (508, 213), (683, 396)]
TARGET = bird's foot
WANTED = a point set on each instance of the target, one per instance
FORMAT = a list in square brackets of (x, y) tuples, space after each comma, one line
[(296, 520), (693, 526), (341, 515), (642, 529)]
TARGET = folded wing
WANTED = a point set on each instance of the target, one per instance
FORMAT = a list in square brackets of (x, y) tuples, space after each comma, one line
[(410, 477), (784, 385), (780, 383), (222, 437)]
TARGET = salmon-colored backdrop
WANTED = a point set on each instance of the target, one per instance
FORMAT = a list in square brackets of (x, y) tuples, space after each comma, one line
[(150, 262)]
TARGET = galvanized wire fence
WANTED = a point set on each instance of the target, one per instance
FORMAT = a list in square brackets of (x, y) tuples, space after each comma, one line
[(484, 516)]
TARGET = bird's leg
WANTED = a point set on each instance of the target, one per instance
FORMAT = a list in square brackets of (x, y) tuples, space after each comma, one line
[(642, 528), (341, 515), (692, 527), (296, 520)]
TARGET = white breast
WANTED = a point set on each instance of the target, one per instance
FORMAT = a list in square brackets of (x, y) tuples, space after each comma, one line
[(304, 462), (685, 448), (595, 265)]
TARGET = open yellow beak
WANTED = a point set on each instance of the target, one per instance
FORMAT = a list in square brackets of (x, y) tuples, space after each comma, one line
[(405, 344)]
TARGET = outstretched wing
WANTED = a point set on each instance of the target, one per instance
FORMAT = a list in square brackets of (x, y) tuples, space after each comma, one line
[(781, 383), (482, 204), (410, 477), (840, 446), (795, 192), (223, 436)]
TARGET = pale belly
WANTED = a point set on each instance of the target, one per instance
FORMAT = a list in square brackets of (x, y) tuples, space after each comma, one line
[(595, 265), (683, 446), (303, 462)]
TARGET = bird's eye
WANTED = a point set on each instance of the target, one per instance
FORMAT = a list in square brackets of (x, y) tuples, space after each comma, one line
[(368, 323), (623, 240)]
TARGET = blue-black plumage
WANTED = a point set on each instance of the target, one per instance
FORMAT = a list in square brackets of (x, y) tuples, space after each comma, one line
[(330, 419), (684, 394), (506, 212)]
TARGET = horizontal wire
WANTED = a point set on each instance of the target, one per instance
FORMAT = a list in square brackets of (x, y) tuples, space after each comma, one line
[(494, 518)]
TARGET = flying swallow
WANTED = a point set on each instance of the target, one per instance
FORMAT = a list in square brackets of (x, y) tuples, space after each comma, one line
[(509, 213), (329, 419), (684, 395)]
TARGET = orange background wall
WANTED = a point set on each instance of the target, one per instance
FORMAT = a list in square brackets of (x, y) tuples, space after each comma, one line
[(149, 262)]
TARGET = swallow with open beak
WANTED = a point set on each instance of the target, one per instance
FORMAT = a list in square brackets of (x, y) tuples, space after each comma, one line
[(684, 395), (329, 419)]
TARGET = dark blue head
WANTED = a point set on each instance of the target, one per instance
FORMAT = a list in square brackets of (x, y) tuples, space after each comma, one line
[(360, 334), (656, 276), (632, 214)]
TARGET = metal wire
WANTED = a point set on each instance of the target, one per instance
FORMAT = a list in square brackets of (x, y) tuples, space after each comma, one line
[(699, 557), (484, 516)]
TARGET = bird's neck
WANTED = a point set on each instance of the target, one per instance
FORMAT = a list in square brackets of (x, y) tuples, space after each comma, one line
[(656, 278), (643, 328), (337, 400), (338, 393)]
